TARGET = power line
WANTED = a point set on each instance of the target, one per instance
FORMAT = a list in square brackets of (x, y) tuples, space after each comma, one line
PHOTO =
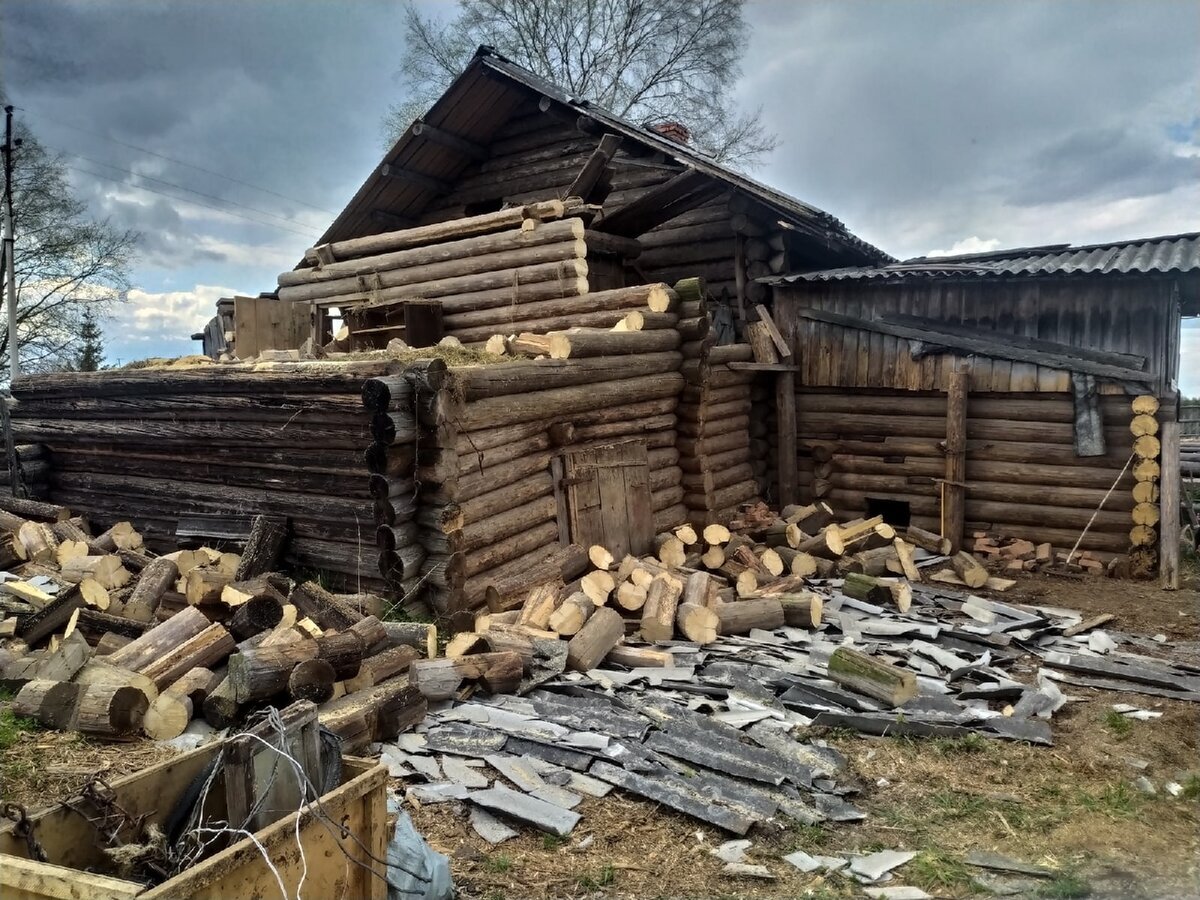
[(182, 163), (228, 212), (180, 187)]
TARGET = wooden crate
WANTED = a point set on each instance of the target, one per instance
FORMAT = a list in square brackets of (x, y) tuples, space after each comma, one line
[(337, 867)]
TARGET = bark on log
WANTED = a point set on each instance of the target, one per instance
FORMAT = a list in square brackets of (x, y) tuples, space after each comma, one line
[(260, 613), (322, 607), (439, 679), (207, 648), (311, 679), (51, 703), (168, 716), (110, 712), (658, 613), (155, 580), (263, 672), (593, 642), (381, 667), (741, 616), (872, 677), (344, 651), (160, 640), (263, 548)]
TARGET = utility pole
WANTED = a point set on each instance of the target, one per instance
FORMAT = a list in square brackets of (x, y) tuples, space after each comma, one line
[(10, 278)]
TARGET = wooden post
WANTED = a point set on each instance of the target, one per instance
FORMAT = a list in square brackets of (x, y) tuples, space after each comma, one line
[(954, 489), (785, 417), (1168, 529)]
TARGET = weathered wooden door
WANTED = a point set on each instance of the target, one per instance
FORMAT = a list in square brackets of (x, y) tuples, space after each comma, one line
[(607, 492)]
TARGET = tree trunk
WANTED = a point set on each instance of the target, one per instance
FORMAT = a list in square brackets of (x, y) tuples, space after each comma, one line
[(743, 615), (263, 672), (111, 712)]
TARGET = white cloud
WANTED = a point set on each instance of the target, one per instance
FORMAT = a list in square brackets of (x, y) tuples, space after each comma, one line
[(972, 244), (1189, 358), (169, 316)]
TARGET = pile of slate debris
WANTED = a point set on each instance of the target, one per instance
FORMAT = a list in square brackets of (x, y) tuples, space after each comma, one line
[(710, 736)]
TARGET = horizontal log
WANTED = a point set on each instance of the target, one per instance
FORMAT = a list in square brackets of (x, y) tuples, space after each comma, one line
[(537, 375), (564, 401)]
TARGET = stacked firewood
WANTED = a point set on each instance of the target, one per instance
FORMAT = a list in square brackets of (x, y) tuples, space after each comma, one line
[(1013, 554), (701, 583), (103, 637), (220, 442), (519, 269)]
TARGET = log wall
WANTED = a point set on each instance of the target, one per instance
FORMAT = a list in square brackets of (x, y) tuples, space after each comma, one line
[(1022, 478), (152, 445)]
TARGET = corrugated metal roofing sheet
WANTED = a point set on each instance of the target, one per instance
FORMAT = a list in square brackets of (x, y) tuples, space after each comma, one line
[(1171, 253), (479, 102)]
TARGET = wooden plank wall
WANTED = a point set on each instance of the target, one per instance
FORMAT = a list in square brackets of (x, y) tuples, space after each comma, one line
[(1023, 478), (1136, 315)]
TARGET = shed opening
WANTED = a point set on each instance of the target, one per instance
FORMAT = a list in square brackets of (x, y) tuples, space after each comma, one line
[(896, 513)]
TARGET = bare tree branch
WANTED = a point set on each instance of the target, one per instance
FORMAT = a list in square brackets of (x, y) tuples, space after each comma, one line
[(646, 60)]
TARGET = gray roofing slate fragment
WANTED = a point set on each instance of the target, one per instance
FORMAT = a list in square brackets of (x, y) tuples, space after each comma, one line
[(985, 859), (489, 827), (457, 770), (557, 754), (889, 724), (874, 866), (436, 793), (838, 810), (898, 892), (676, 793), (806, 863), (747, 870), (706, 750), (817, 759), (538, 813), (589, 713), (463, 740)]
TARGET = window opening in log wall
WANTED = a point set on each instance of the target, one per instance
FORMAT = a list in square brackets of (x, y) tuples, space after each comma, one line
[(896, 513)]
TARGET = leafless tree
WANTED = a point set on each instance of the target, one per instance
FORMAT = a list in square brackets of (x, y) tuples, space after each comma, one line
[(646, 60), (66, 263)]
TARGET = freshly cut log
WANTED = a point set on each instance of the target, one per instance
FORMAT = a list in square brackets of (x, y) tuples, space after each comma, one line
[(827, 544), (323, 607), (207, 648), (343, 650), (658, 613), (697, 623), (872, 677), (743, 615), (110, 712), (797, 561), (312, 679), (167, 716), (578, 343), (631, 596), (539, 605), (573, 613), (37, 541), (716, 534), (700, 589), (670, 550), (904, 555), (603, 631), (375, 714), (600, 557), (203, 585), (598, 586), (257, 614), (160, 640), (420, 636), (156, 579), (94, 595), (51, 703), (381, 667), (881, 590), (639, 657), (439, 679), (967, 568), (802, 610), (263, 671)]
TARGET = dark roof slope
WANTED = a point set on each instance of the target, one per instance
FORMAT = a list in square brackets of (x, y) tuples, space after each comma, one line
[(1170, 253), (478, 104)]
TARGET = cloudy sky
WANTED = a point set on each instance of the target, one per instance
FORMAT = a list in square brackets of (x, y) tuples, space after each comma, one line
[(925, 125)]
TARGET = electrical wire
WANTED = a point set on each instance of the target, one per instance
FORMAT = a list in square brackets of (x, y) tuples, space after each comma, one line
[(180, 162), (228, 212), (172, 184)]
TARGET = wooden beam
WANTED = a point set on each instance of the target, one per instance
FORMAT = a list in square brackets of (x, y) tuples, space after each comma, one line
[(660, 204), (593, 170), (785, 417), (999, 346), (1169, 497), (762, 367), (450, 141), (764, 316), (437, 185), (954, 491)]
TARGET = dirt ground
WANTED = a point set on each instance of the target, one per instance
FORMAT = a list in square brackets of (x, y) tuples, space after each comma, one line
[(1072, 807)]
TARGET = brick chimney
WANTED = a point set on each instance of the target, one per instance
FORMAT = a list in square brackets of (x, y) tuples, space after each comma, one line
[(673, 131)]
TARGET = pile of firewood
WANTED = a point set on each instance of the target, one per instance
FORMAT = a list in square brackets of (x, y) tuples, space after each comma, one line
[(103, 637), (1019, 555), (701, 583)]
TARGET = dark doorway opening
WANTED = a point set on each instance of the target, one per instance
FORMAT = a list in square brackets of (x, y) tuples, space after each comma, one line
[(896, 513)]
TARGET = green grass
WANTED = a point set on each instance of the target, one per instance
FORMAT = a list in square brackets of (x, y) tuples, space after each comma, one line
[(499, 863), (12, 727), (552, 841), (1065, 886), (1119, 725), (602, 879), (803, 837), (1191, 788), (938, 871), (1118, 801)]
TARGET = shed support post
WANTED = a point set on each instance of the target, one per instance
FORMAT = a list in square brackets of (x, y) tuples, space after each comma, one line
[(785, 417), (954, 489), (1169, 499)]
